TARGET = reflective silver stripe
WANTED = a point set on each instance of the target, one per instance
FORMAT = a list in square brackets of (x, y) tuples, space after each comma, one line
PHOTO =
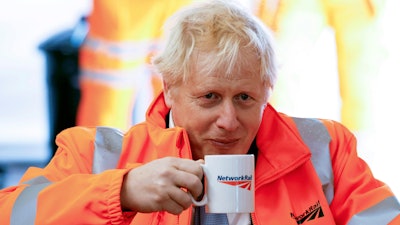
[(382, 213), (24, 209), (108, 147), (37, 180), (316, 137), (117, 78), (124, 50)]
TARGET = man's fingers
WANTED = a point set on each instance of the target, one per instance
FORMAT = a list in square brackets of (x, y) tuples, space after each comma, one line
[(190, 166), (189, 181), (181, 198), (160, 185), (173, 207)]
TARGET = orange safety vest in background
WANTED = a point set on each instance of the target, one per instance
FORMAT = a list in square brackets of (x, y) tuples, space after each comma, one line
[(307, 172), (297, 24), (115, 77)]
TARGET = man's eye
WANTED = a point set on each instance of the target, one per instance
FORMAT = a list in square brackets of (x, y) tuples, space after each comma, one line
[(209, 95), (244, 97)]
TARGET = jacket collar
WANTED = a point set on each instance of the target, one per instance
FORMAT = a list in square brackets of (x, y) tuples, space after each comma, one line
[(280, 148)]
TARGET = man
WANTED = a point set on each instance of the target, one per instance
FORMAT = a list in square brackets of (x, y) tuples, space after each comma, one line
[(218, 70)]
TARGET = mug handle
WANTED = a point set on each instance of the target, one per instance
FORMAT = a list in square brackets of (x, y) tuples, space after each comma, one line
[(204, 200)]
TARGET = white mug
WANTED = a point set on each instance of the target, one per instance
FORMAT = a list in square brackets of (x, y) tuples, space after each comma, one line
[(229, 184)]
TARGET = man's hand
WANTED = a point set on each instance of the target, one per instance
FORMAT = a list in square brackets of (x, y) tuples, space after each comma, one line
[(160, 185)]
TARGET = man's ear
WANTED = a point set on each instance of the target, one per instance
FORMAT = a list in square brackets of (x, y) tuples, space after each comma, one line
[(167, 95)]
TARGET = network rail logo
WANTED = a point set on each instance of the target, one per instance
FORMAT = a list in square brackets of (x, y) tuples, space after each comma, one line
[(243, 181), (313, 212)]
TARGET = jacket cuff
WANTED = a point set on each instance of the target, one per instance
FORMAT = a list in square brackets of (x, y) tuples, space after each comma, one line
[(117, 216)]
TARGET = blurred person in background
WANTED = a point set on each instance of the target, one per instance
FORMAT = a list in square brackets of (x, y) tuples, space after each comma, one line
[(114, 60), (297, 24)]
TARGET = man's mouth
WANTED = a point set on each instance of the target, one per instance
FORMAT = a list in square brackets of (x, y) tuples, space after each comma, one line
[(224, 143)]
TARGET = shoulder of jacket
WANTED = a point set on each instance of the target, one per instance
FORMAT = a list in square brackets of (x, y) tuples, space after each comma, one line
[(77, 131)]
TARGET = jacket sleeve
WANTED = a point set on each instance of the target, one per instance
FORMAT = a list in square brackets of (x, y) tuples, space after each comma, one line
[(359, 198), (66, 191)]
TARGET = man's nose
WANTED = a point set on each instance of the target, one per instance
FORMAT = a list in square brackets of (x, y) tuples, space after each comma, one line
[(228, 117)]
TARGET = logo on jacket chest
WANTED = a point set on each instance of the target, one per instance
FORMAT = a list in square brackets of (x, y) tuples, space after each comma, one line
[(311, 213)]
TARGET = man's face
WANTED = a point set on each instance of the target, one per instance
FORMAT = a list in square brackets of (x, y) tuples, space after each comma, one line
[(221, 115)]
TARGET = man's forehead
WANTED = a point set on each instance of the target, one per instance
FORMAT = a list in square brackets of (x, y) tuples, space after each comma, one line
[(219, 65)]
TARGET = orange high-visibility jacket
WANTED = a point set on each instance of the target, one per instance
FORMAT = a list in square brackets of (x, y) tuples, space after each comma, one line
[(115, 75), (358, 47), (307, 172)]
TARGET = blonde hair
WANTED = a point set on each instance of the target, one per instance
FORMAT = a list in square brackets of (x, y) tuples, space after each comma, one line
[(224, 31)]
